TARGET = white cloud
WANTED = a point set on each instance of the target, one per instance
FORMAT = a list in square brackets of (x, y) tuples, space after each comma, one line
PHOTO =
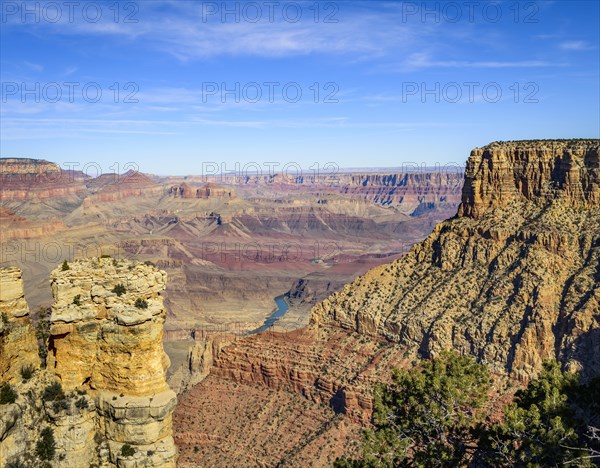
[(416, 61), (575, 45), (34, 66)]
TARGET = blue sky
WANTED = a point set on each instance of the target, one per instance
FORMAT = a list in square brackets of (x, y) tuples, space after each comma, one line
[(398, 82)]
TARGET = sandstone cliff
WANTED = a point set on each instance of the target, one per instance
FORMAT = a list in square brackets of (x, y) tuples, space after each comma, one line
[(105, 343), (512, 279), (18, 346), (18, 352), (105, 351)]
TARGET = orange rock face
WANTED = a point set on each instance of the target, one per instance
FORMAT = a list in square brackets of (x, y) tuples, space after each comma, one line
[(18, 346)]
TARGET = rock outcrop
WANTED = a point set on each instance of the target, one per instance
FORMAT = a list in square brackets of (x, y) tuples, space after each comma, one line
[(18, 346), (512, 279), (110, 342), (114, 187), (103, 396), (207, 191), (18, 353)]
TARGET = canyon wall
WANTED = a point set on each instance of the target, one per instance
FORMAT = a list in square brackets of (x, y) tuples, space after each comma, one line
[(23, 179), (513, 279)]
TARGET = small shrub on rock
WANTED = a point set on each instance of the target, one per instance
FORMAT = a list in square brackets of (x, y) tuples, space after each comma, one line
[(119, 290), (82, 403), (53, 392), (46, 446), (7, 395), (65, 266), (141, 303), (77, 300), (27, 371), (127, 450), (60, 405)]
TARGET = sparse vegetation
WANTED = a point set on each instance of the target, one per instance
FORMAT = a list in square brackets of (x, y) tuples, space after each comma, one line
[(141, 303), (42, 332), (77, 300), (119, 290), (127, 450), (7, 395), (436, 416), (65, 266), (16, 463), (46, 446), (82, 403), (60, 405), (27, 372), (53, 392)]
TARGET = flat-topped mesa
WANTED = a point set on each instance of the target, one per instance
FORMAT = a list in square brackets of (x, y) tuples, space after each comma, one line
[(106, 336), (18, 346), (538, 171), (26, 179), (13, 166)]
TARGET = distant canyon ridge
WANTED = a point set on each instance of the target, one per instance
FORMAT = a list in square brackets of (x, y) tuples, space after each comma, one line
[(230, 245)]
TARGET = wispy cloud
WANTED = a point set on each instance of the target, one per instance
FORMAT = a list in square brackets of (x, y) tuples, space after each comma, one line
[(423, 60), (182, 30), (575, 45), (34, 66)]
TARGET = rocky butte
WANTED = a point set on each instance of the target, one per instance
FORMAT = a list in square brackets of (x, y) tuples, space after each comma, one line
[(512, 279), (113, 406)]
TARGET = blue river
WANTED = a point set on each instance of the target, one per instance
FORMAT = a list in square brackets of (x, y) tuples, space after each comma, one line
[(280, 310)]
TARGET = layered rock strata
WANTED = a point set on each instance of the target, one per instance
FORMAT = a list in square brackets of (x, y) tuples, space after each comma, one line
[(113, 406), (25, 179), (18, 346), (512, 279), (106, 336)]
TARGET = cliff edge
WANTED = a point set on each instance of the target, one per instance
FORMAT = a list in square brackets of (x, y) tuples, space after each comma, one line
[(512, 279)]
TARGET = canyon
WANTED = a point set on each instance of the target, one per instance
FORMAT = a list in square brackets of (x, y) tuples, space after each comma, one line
[(379, 271), (512, 279), (230, 244)]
